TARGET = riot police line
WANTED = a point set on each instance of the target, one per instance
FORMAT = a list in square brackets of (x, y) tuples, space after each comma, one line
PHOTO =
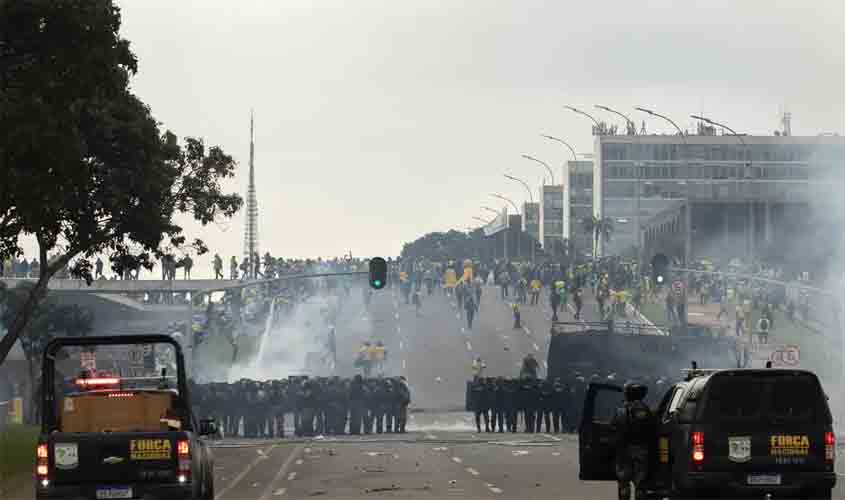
[(303, 406), (501, 404)]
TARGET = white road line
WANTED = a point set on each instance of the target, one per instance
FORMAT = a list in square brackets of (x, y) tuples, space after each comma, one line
[(291, 476), (457, 460), (495, 490), (472, 471), (403, 364), (281, 473), (242, 475), (401, 345), (299, 462), (280, 492), (469, 346)]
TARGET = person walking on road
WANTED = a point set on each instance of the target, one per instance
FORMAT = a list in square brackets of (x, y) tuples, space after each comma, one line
[(536, 285), (470, 307), (554, 300), (579, 302)]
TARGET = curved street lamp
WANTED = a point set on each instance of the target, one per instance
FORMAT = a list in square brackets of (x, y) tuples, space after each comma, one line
[(491, 210), (530, 196), (541, 162), (583, 113), (496, 195), (571, 149), (481, 219), (630, 122), (652, 113), (721, 125)]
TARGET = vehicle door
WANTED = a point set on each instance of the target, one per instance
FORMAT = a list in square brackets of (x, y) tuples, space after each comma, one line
[(665, 427), (596, 434)]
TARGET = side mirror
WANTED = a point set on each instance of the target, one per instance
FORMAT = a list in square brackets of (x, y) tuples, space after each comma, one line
[(207, 427)]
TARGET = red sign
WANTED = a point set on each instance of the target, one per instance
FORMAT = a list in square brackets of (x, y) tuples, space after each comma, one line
[(678, 287)]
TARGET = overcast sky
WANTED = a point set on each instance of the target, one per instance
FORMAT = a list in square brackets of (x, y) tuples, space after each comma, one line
[(377, 122)]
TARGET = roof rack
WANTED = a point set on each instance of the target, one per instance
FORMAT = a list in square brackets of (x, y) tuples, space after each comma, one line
[(692, 373)]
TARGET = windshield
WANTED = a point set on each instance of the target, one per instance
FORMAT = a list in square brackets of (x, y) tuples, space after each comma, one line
[(115, 388), (794, 398)]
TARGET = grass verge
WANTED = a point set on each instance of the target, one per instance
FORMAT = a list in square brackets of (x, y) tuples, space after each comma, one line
[(17, 453)]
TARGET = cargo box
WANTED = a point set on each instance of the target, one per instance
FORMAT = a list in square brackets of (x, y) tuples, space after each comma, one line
[(116, 412)]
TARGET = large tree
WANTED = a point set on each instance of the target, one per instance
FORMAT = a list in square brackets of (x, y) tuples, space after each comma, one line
[(86, 169)]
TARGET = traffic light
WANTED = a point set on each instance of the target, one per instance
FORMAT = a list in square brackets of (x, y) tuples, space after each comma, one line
[(660, 269), (378, 273)]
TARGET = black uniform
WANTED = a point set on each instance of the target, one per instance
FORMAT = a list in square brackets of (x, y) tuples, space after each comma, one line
[(635, 430)]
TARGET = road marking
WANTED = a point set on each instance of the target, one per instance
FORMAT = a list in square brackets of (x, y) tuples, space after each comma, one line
[(472, 471), (299, 462), (495, 490), (291, 476), (457, 460), (280, 492), (536, 347), (403, 364), (281, 473), (469, 346), (526, 330), (401, 345), (398, 329), (242, 475), (396, 315)]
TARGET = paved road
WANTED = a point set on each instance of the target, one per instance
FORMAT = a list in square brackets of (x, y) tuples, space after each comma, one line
[(418, 465)]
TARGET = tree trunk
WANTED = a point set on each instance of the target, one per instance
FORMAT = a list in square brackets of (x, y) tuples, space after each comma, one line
[(23, 317)]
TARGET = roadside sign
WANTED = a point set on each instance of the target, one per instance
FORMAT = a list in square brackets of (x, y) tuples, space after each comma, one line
[(678, 287)]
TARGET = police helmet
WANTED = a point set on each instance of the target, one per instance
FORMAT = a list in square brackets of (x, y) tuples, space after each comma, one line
[(634, 391)]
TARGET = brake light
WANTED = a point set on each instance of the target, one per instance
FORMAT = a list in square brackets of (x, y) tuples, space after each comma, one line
[(183, 452), (42, 464), (88, 382), (697, 447), (121, 395), (829, 446)]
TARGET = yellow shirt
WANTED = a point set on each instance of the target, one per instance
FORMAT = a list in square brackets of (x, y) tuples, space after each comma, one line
[(536, 285)]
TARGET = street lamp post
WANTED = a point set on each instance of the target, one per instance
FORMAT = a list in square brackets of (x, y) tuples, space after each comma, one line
[(632, 127), (598, 125), (541, 162), (516, 208), (747, 167), (524, 214), (565, 205), (687, 212)]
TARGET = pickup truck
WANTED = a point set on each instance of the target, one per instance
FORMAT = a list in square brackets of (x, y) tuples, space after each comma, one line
[(116, 426)]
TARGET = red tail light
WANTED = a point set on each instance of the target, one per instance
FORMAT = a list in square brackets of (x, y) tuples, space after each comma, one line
[(829, 446), (42, 464), (183, 453), (698, 447), (87, 382)]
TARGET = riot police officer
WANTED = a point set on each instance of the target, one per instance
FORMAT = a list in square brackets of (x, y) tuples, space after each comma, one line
[(634, 425)]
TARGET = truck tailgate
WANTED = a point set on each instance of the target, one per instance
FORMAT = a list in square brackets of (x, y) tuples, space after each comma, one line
[(114, 457)]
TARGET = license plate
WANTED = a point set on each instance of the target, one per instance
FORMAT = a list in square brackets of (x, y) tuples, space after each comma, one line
[(110, 492), (764, 479)]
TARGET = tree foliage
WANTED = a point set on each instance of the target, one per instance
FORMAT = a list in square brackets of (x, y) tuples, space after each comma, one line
[(86, 169)]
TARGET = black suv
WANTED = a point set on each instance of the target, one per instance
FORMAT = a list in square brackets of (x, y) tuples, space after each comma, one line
[(725, 434)]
